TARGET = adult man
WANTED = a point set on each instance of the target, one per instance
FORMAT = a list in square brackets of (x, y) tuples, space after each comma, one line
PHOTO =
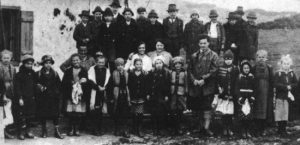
[(202, 72), (215, 31), (95, 28), (192, 32), (173, 27), (155, 30), (115, 6), (82, 33), (252, 36)]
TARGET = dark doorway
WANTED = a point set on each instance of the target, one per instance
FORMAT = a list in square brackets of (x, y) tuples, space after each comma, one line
[(11, 30)]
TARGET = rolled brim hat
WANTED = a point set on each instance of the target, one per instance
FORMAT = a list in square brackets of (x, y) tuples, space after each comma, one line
[(159, 58), (108, 12), (98, 9), (119, 61), (47, 58), (27, 57), (128, 10), (152, 14)]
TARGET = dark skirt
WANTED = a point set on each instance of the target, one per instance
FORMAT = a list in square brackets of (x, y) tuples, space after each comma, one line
[(122, 108), (48, 106), (178, 103), (158, 108), (137, 107), (201, 103)]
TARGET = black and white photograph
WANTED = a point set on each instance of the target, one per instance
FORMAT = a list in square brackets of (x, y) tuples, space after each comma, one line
[(149, 72)]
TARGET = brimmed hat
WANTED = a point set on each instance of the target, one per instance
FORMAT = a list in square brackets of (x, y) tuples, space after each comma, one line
[(119, 61), (172, 8), (46, 58), (213, 13), (252, 15), (141, 9), (228, 54), (232, 16), (84, 13), (152, 14), (98, 9), (178, 59), (128, 10), (108, 12), (161, 58), (27, 57), (115, 4), (240, 10)]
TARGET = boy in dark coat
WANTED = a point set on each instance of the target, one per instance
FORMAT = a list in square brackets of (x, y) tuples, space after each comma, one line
[(192, 32), (142, 23), (25, 89), (82, 33), (99, 76), (214, 29), (48, 96), (107, 37), (95, 30), (230, 35), (173, 28), (127, 37), (252, 34), (154, 31)]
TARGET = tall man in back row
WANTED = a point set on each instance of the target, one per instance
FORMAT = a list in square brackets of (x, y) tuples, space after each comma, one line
[(173, 27)]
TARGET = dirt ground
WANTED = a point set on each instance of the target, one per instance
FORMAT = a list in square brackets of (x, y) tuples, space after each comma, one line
[(165, 139)]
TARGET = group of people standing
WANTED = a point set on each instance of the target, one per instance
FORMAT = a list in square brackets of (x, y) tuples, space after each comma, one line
[(125, 68)]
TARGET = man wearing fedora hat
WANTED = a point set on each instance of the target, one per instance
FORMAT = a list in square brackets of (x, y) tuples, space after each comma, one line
[(215, 30), (230, 35), (115, 7), (252, 35), (95, 28), (192, 32), (173, 27), (82, 33)]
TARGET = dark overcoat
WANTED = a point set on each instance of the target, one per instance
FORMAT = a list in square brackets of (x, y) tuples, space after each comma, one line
[(82, 32), (153, 33), (107, 37)]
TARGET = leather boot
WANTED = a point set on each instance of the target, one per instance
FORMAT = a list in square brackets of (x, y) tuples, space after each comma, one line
[(21, 134), (57, 133), (7, 135), (76, 130), (28, 133), (71, 131)]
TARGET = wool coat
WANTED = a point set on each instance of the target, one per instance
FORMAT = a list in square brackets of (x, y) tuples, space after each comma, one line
[(82, 32), (48, 101), (107, 38), (252, 38), (154, 32)]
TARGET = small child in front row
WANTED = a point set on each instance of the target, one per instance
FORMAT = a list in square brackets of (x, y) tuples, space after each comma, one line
[(179, 89), (121, 98), (227, 74), (284, 81), (245, 98), (99, 76)]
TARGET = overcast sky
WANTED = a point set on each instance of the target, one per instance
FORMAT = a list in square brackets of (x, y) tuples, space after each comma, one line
[(270, 5)]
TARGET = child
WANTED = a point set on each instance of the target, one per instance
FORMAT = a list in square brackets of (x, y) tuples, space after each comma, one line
[(7, 73), (159, 92), (263, 106), (245, 98), (73, 86), (99, 75), (25, 85), (178, 91), (226, 76), (138, 88), (121, 98), (173, 28), (285, 81), (48, 97)]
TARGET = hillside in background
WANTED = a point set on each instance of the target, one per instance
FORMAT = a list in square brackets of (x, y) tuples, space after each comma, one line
[(291, 22)]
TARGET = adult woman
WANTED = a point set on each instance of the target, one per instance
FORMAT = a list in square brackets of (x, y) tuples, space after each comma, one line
[(160, 51), (48, 97), (147, 62)]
